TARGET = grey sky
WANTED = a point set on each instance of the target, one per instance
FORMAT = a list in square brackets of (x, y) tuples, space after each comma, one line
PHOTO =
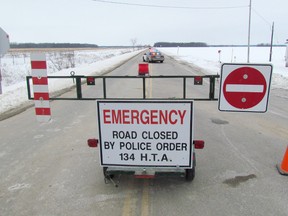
[(106, 23)]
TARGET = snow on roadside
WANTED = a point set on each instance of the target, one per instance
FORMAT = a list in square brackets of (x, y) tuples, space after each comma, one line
[(17, 66), (208, 58), (14, 86)]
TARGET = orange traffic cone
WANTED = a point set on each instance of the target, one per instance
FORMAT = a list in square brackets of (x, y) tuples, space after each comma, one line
[(283, 168)]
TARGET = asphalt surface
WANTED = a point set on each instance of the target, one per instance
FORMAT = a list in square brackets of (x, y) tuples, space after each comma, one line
[(48, 169)]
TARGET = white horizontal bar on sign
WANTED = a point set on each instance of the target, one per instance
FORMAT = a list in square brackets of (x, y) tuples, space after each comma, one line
[(40, 88), (43, 118), (42, 104), (38, 57), (39, 73), (244, 88)]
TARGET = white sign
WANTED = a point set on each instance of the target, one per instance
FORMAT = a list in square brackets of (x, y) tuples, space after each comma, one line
[(245, 87), (145, 133), (4, 42)]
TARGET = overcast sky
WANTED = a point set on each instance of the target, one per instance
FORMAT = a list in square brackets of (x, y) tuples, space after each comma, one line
[(116, 22)]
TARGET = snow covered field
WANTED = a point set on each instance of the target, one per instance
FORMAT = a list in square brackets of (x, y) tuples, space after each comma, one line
[(15, 66), (208, 59)]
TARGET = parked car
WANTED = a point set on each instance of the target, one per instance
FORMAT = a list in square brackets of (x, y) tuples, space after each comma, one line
[(153, 56)]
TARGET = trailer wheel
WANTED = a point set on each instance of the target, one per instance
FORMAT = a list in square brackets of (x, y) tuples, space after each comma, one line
[(190, 173)]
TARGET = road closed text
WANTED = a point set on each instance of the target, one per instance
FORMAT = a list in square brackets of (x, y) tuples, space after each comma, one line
[(126, 116), (155, 146), (121, 136)]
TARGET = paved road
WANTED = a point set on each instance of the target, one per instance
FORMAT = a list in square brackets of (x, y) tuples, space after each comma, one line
[(47, 169)]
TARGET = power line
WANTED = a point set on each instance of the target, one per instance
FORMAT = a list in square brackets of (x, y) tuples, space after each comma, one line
[(270, 24), (172, 7), (265, 20)]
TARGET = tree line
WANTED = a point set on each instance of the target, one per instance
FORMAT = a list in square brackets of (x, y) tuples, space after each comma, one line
[(177, 44), (51, 45), (201, 44)]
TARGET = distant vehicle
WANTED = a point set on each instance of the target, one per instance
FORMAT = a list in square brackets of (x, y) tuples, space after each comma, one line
[(153, 55)]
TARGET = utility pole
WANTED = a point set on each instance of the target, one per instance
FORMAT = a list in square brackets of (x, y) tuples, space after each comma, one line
[(286, 55), (271, 45), (249, 31)]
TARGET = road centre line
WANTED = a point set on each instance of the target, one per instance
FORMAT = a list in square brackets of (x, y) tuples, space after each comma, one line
[(149, 84), (150, 81), (127, 207), (145, 199), (129, 204), (150, 88), (127, 210)]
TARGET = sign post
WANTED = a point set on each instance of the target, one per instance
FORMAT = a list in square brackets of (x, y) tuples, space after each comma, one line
[(245, 87), (146, 133), (286, 55)]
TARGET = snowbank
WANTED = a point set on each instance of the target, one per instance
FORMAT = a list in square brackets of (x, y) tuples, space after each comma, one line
[(16, 66), (211, 58)]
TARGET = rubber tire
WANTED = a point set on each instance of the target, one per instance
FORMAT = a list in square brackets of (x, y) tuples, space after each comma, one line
[(190, 173)]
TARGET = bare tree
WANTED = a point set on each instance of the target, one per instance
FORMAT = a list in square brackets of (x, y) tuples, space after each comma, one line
[(133, 41)]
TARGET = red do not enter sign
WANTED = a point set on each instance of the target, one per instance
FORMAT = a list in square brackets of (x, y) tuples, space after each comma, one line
[(244, 87)]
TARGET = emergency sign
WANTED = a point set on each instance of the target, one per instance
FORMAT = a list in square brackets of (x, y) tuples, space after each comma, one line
[(145, 133)]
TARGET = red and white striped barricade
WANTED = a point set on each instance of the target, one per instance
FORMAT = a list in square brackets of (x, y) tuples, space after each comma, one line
[(40, 87)]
